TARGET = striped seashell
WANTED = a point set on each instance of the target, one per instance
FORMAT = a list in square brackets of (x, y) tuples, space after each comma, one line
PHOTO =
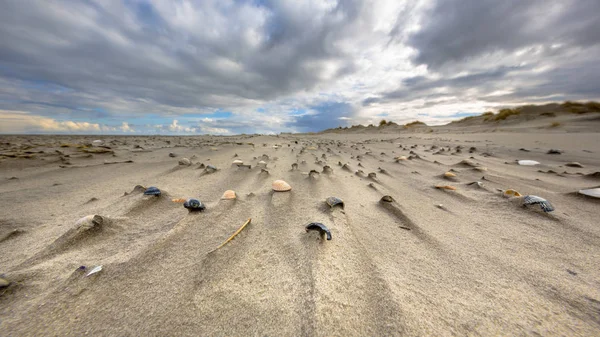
[(281, 186), (544, 204)]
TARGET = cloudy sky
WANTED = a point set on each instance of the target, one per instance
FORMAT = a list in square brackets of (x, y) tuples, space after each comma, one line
[(261, 66)]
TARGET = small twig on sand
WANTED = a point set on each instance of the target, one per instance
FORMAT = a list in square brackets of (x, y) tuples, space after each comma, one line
[(236, 233)]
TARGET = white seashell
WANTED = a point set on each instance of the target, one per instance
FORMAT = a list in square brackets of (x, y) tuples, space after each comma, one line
[(591, 192), (94, 270), (528, 162)]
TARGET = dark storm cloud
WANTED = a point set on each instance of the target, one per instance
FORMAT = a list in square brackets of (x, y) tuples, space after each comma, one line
[(421, 86), (142, 53), (538, 50), (456, 30)]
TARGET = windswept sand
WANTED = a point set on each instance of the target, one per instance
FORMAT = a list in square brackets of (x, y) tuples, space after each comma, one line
[(481, 264)]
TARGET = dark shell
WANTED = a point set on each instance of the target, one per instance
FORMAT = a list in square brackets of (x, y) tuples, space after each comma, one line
[(152, 191), (319, 227), (387, 198), (334, 201), (194, 205)]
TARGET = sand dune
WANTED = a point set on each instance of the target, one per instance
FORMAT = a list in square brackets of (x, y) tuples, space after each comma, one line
[(428, 261)]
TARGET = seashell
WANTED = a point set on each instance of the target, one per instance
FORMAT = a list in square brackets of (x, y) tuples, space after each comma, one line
[(185, 161), (446, 187), (476, 183), (387, 198), (89, 221), (262, 163), (97, 142), (527, 162), (319, 227), (229, 195), (4, 283), (152, 191), (281, 186), (401, 158), (210, 168), (194, 205), (449, 175), (294, 166), (544, 204), (313, 173), (334, 201), (591, 192), (327, 169), (178, 200), (94, 270), (512, 193), (359, 172), (237, 162), (468, 162), (574, 164), (372, 175)]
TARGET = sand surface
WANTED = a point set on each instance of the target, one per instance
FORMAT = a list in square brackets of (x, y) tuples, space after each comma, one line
[(479, 264)]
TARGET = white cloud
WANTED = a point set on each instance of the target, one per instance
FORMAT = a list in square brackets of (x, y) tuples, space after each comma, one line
[(126, 128), (21, 122)]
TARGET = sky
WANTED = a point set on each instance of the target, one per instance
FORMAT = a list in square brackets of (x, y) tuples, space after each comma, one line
[(223, 67)]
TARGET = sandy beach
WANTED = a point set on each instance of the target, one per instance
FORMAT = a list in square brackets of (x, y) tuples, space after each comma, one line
[(469, 261)]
